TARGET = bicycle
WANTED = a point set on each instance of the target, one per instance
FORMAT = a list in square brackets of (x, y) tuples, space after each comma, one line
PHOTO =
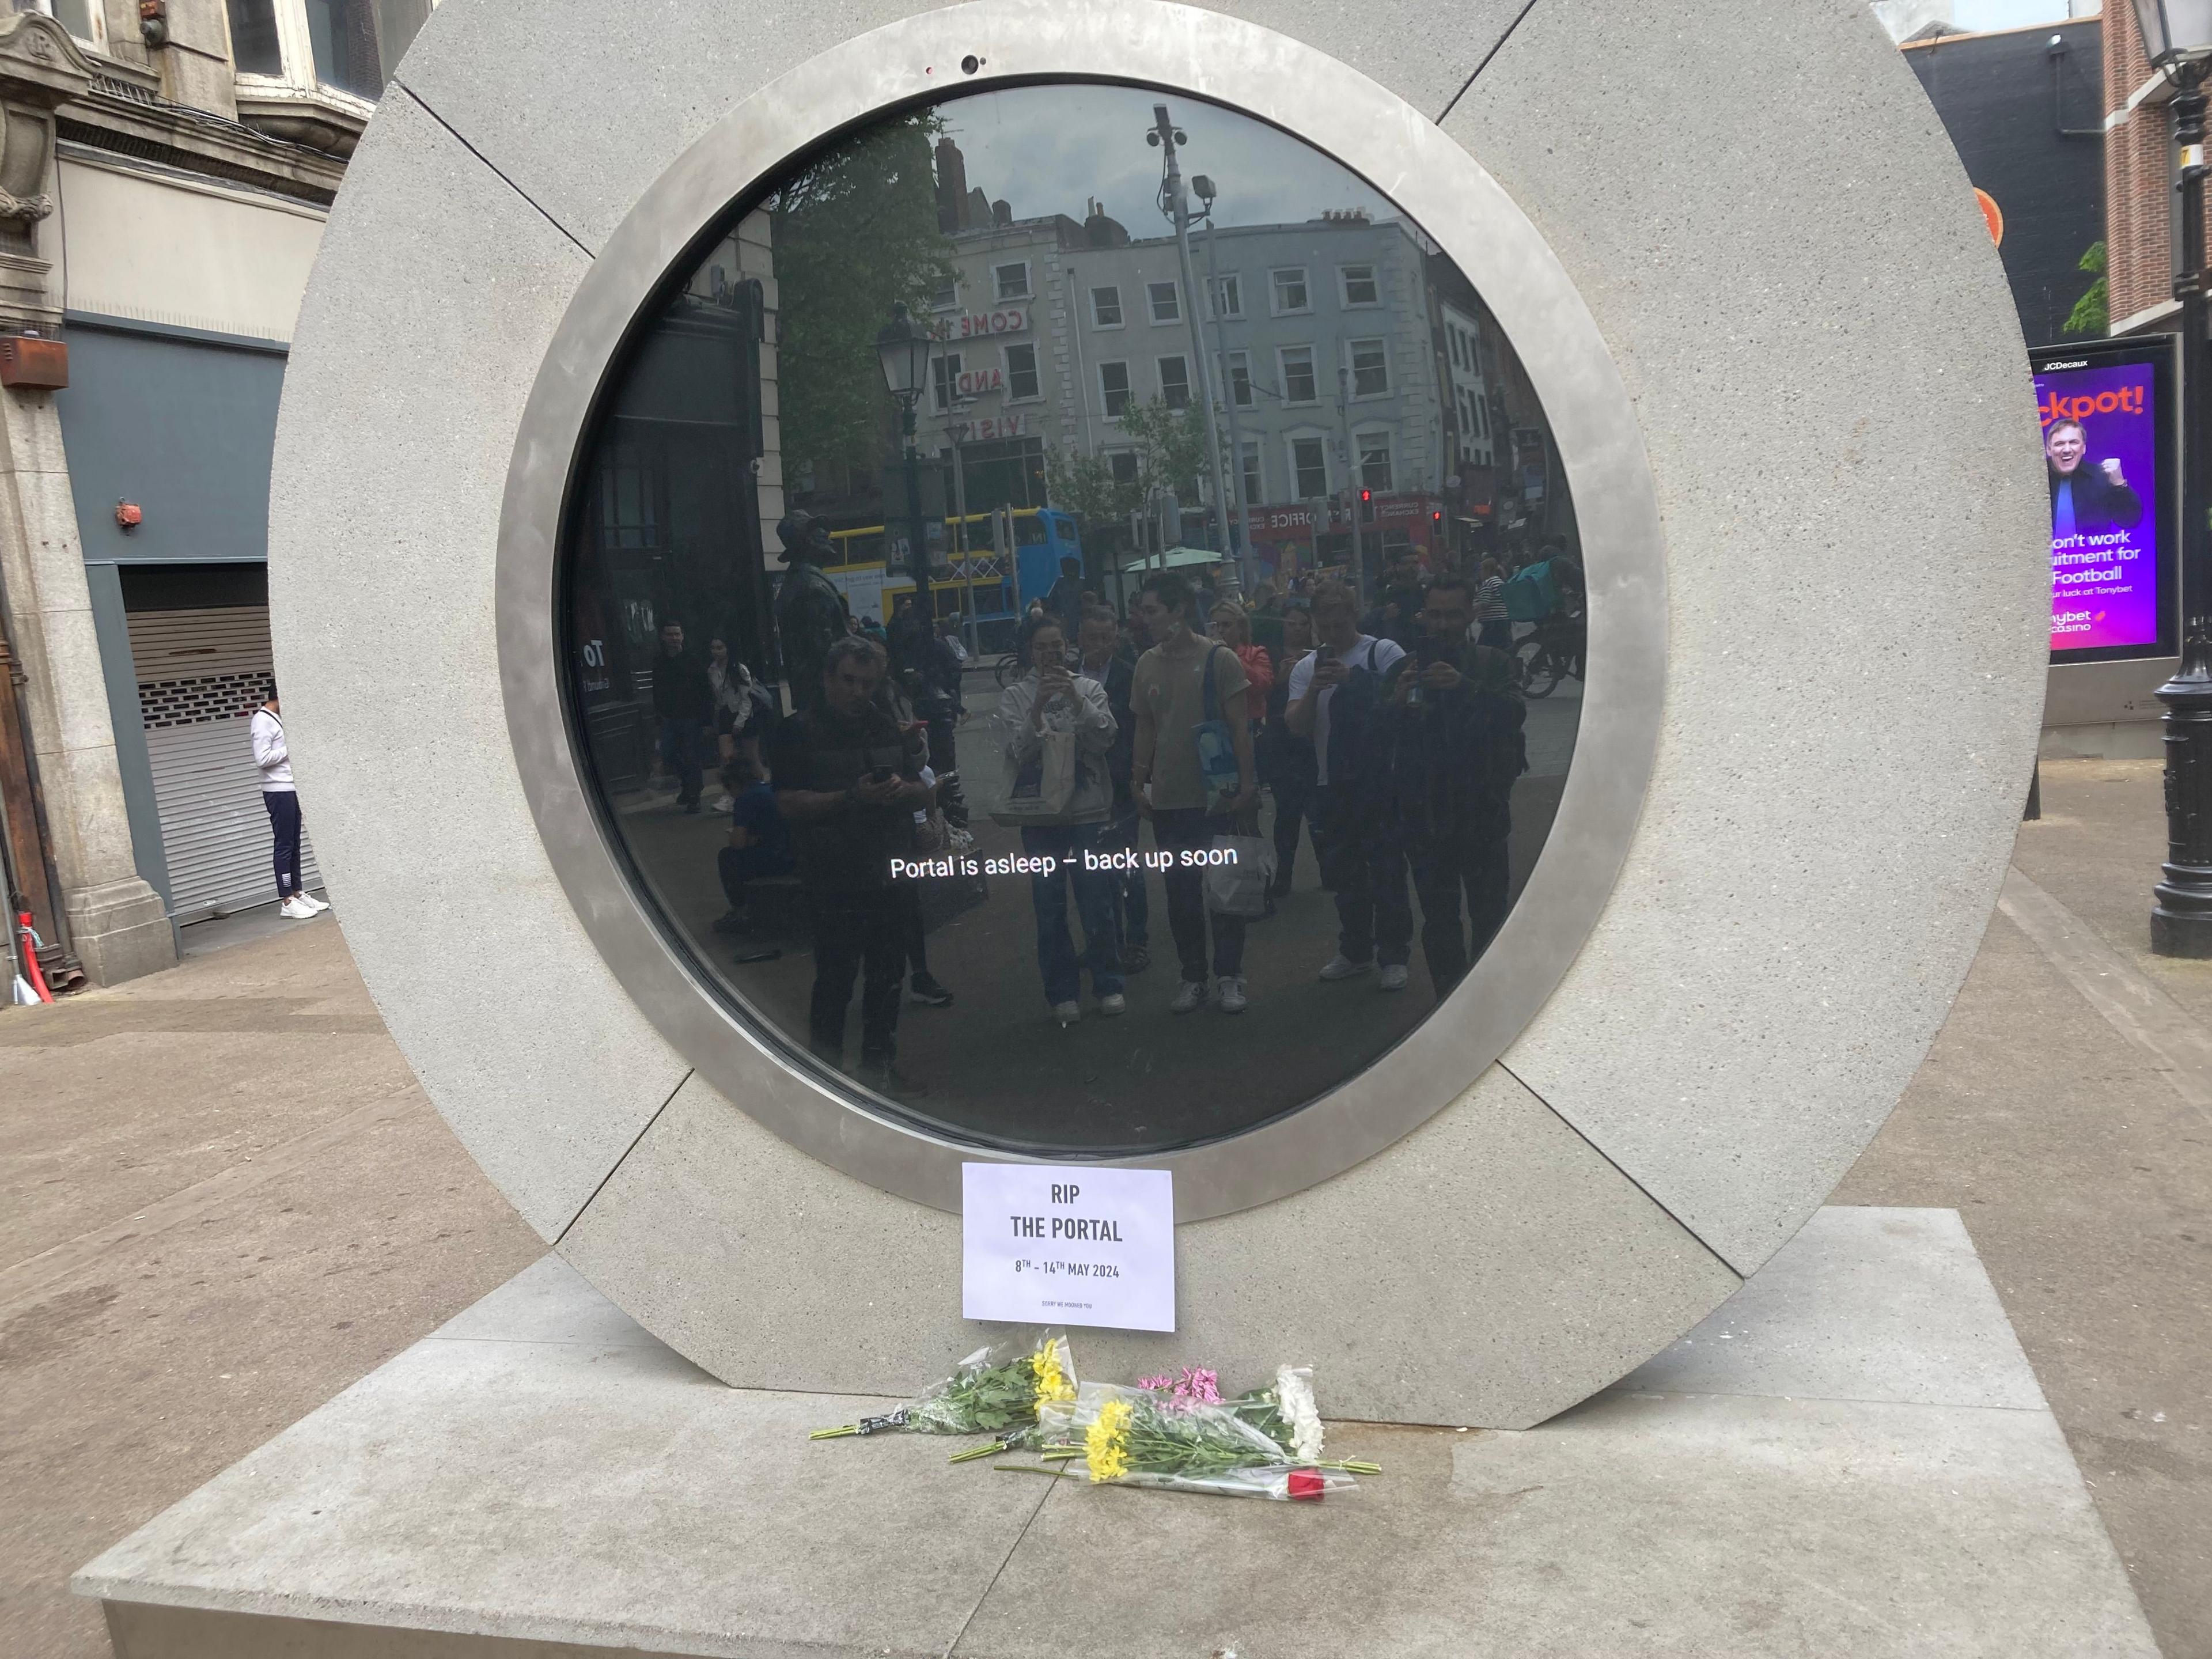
[(1544, 658)]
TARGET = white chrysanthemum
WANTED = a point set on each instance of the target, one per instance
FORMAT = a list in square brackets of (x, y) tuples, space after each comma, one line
[(1295, 1396)]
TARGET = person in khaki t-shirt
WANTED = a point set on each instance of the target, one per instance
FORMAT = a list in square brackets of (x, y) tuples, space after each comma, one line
[(1168, 694)]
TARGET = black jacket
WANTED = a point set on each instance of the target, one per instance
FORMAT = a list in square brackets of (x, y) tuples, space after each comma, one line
[(681, 690), (2100, 506)]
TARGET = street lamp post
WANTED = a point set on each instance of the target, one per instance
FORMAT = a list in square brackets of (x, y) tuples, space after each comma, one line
[(1225, 382), (2177, 38), (1174, 203), (903, 347)]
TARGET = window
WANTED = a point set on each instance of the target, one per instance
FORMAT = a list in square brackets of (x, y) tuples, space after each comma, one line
[(1374, 459), (1240, 378), (946, 298), (83, 18), (1175, 382), (1309, 462), (944, 379), (1229, 296), (1166, 301), (1290, 291), (1452, 338), (1254, 488), (1012, 281), (1022, 373), (1106, 307), (1114, 385), (1297, 365), (353, 45), (1370, 369), (1357, 285), (1123, 463)]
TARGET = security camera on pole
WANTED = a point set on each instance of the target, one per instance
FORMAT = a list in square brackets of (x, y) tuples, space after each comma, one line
[(1174, 203), (2177, 38)]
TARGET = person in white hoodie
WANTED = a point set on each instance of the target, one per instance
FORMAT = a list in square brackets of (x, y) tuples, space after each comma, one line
[(282, 797), (1054, 696)]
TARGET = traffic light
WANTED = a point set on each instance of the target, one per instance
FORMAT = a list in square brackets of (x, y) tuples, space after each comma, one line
[(1366, 496), (1436, 519)]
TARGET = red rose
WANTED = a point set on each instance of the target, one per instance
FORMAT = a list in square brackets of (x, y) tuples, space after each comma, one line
[(1307, 1482)]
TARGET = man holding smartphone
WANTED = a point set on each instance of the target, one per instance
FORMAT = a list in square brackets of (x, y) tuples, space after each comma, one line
[(1450, 746), (1334, 695), (848, 783)]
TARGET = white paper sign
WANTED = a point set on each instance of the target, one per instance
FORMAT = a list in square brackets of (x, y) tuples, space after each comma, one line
[(1068, 1244)]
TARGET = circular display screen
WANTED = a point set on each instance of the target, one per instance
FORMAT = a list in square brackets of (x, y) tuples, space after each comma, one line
[(1074, 619)]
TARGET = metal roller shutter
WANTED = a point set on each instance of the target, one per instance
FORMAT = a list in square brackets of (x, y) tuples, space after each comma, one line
[(200, 675)]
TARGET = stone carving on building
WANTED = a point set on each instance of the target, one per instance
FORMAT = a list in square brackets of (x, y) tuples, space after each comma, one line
[(41, 68)]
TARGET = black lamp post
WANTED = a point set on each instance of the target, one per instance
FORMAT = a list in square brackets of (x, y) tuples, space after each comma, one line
[(2177, 38), (904, 346)]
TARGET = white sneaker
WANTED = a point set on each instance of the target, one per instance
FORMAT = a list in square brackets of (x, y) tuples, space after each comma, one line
[(297, 909), (1067, 1012), (311, 899), (1393, 977), (1116, 1004), (1232, 996), (1191, 995), (1340, 966)]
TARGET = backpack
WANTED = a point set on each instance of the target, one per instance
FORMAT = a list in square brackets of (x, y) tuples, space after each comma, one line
[(1352, 711), (1530, 595)]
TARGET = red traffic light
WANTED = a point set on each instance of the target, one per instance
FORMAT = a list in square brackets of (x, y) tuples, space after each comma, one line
[(1366, 496)]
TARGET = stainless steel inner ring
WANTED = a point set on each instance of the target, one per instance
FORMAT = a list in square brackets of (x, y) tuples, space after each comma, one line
[(1447, 192)]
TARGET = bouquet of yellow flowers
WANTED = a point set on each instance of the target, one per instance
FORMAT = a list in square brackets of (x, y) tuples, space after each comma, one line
[(1145, 1437), (997, 1391)]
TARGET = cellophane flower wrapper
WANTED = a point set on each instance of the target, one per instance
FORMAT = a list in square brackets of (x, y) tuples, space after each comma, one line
[(996, 1390), (1140, 1437)]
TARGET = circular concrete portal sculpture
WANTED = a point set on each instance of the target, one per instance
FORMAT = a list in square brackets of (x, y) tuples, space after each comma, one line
[(1784, 386)]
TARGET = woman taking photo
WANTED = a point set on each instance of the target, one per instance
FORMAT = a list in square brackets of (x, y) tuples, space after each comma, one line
[(1056, 729)]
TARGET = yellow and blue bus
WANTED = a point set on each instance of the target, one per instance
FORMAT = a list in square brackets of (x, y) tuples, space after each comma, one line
[(969, 575)]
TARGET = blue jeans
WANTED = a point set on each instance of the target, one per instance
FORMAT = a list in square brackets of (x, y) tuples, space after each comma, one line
[(679, 747), (1094, 902)]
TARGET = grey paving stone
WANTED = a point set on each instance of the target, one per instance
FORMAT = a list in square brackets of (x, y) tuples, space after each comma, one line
[(1863, 1304)]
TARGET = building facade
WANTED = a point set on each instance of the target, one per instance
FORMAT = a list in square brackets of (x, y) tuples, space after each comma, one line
[(2141, 209), (162, 194)]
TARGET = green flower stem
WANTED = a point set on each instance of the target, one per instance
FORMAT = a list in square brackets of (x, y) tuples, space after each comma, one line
[(974, 1452), (835, 1434)]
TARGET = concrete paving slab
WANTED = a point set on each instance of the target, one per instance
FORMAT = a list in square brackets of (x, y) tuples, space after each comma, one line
[(1864, 1304), (574, 1492), (532, 1475)]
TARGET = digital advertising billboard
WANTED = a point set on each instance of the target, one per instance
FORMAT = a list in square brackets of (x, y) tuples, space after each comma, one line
[(2107, 417)]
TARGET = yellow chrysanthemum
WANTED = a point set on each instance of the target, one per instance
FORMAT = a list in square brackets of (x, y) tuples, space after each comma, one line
[(1105, 1442), (1052, 1382)]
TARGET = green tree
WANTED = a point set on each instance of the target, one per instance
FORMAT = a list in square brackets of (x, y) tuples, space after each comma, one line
[(1170, 450), (854, 235), (2092, 312)]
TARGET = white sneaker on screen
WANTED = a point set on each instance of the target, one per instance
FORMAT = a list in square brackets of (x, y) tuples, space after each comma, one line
[(1232, 996), (1115, 1004), (309, 898), (1393, 977), (1067, 1012), (1191, 995), (297, 909), (1340, 966)]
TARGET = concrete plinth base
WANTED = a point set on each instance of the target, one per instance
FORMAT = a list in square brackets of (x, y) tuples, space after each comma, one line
[(1850, 1456)]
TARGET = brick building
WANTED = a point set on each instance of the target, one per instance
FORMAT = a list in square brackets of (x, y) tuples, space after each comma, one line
[(2141, 213)]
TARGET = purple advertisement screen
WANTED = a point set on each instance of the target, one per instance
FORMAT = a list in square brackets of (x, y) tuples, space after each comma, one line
[(2100, 454)]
